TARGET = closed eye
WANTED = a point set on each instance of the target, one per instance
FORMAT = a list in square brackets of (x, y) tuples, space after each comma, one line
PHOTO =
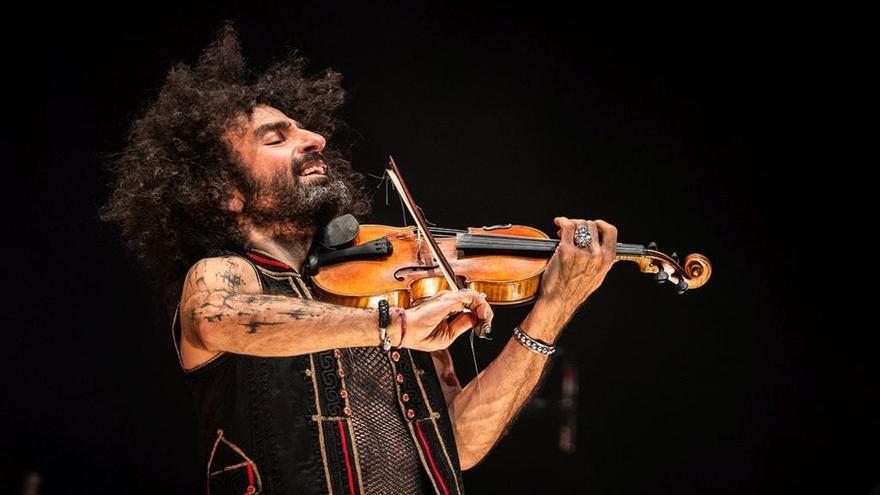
[(278, 139)]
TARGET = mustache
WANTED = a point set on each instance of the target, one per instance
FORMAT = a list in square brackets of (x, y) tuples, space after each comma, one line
[(297, 164)]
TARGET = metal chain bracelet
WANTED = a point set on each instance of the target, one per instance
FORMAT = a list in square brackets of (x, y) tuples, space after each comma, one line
[(532, 344)]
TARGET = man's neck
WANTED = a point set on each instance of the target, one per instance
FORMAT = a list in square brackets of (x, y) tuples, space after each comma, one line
[(290, 246)]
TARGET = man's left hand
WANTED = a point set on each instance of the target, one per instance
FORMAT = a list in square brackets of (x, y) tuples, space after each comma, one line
[(576, 272)]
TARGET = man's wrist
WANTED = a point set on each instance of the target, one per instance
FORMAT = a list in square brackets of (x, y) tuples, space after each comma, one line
[(394, 331), (397, 329), (544, 322), (392, 325)]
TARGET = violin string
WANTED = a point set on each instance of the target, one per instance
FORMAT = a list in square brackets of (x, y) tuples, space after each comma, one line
[(622, 248), (547, 244), (495, 236), (476, 367), (487, 242), (499, 238), (500, 241), (445, 230), (483, 240)]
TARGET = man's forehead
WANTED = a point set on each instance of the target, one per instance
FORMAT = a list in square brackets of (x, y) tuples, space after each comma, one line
[(260, 116), (264, 114)]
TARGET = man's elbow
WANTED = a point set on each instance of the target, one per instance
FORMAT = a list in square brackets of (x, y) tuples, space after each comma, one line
[(212, 334), (469, 460), (471, 451), (468, 456), (209, 326)]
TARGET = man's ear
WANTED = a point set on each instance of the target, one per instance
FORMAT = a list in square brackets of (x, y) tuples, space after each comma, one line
[(235, 201)]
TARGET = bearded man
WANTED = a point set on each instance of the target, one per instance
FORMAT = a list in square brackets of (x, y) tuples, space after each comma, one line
[(223, 185)]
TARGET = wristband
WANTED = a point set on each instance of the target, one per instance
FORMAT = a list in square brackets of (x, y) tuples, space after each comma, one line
[(384, 321), (532, 344)]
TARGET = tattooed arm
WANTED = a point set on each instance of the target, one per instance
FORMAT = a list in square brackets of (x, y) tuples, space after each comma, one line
[(222, 310)]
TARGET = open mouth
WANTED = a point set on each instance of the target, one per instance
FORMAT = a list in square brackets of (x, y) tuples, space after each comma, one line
[(316, 167)]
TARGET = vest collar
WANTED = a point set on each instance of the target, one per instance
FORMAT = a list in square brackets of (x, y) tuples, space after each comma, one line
[(267, 261)]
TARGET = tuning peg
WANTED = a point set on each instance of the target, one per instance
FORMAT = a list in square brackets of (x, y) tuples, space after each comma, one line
[(652, 245), (674, 256), (682, 286), (661, 276)]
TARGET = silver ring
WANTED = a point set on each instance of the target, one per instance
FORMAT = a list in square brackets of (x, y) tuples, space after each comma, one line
[(582, 236)]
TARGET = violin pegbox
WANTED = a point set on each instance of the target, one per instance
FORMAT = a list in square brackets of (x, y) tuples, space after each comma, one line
[(666, 268)]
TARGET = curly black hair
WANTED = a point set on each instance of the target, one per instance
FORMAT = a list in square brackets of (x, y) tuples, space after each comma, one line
[(175, 171)]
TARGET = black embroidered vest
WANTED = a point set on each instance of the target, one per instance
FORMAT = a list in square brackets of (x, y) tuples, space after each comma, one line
[(292, 425)]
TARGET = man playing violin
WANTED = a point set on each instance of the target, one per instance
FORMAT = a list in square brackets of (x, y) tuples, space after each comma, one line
[(230, 177)]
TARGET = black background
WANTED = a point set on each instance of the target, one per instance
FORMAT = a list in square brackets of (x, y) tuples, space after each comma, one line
[(702, 136)]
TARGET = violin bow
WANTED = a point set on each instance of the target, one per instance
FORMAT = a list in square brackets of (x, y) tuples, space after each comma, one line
[(483, 329)]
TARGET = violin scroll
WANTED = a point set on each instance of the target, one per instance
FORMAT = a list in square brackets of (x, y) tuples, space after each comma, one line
[(694, 274)]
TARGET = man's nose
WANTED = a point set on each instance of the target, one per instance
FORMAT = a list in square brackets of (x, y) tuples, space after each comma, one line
[(310, 141)]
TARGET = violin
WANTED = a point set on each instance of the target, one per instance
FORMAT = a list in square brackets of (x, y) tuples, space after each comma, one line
[(357, 265)]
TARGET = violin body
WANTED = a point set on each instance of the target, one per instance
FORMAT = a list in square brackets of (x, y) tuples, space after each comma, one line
[(408, 273)]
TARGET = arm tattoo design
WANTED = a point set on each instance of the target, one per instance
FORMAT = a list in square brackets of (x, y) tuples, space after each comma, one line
[(253, 310), (230, 277)]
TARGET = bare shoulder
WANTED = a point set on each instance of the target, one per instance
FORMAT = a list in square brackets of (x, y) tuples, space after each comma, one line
[(223, 273), (229, 273)]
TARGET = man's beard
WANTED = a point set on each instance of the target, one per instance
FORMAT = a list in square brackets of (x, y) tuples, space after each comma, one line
[(283, 202)]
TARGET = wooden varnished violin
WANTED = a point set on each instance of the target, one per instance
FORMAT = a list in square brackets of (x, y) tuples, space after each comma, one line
[(356, 265)]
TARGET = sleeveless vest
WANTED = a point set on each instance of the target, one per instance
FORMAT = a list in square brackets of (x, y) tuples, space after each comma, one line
[(286, 425)]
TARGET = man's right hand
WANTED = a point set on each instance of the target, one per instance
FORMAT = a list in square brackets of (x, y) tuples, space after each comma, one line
[(427, 328)]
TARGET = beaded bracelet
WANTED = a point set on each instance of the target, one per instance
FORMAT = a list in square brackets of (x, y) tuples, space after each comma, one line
[(532, 344), (384, 321)]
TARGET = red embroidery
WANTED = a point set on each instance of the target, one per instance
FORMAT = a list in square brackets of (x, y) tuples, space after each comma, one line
[(431, 458), (347, 464), (268, 261), (250, 489)]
